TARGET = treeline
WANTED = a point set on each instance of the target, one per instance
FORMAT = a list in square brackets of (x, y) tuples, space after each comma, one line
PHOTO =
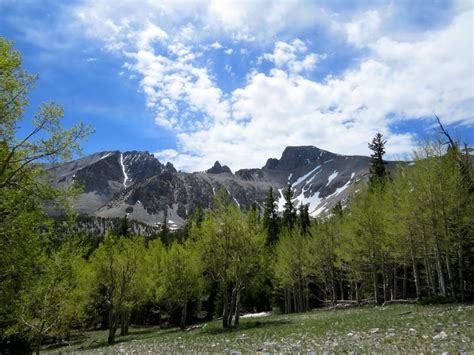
[(403, 235)]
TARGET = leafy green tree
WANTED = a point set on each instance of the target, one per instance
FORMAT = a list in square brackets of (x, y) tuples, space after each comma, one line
[(53, 302), (292, 269), (181, 277), (25, 232), (118, 279), (154, 256), (229, 243)]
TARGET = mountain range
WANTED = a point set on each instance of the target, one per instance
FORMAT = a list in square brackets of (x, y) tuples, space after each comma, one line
[(138, 185)]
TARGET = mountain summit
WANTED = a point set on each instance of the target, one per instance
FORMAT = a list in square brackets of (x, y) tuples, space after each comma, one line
[(137, 184), (219, 169)]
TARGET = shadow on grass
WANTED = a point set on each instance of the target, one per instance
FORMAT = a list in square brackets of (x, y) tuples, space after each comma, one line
[(246, 326)]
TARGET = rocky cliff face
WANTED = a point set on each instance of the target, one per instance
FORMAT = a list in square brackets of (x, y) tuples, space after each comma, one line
[(137, 184)]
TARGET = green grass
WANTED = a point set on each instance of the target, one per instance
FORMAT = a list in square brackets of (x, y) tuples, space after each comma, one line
[(395, 328)]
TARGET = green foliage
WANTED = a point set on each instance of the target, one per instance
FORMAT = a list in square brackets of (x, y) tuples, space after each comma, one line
[(181, 277), (229, 243), (289, 211), (270, 218), (292, 269), (378, 170), (118, 278), (28, 260), (52, 303)]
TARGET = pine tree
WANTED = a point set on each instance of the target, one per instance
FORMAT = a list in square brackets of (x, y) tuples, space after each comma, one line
[(164, 228), (123, 230), (289, 213), (303, 217), (378, 169), (270, 218)]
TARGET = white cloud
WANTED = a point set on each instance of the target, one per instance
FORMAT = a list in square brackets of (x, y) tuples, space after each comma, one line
[(395, 80), (216, 45), (229, 51), (146, 37), (399, 79), (364, 29), (291, 56), (91, 60)]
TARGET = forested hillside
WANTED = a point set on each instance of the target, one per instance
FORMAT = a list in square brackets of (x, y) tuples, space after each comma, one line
[(404, 235)]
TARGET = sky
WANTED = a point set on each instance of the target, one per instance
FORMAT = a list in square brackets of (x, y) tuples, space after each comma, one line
[(238, 81)]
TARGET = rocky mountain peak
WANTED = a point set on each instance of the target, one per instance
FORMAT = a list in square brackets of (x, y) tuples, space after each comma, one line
[(136, 183), (219, 169), (298, 157)]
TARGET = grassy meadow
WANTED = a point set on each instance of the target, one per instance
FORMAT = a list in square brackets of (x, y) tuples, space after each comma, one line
[(394, 328)]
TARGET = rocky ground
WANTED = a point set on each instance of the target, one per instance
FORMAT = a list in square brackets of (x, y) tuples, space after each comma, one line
[(395, 328)]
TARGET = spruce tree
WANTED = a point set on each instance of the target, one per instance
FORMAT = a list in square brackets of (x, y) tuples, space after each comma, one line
[(270, 218), (165, 229), (303, 216), (378, 169), (289, 213), (123, 229)]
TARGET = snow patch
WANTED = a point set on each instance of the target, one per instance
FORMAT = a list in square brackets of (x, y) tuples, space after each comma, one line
[(281, 201), (304, 177), (237, 202), (342, 188), (289, 176), (332, 177), (105, 156), (313, 201), (256, 315), (125, 176)]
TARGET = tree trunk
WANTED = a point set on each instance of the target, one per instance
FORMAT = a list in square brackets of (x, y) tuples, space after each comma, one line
[(450, 276), (237, 308), (405, 276), (461, 271), (415, 274), (333, 293), (232, 305), (394, 289), (429, 272), (357, 292), (112, 327), (375, 284), (38, 341), (225, 306), (306, 297), (288, 300), (384, 280), (182, 323), (439, 269), (125, 318), (295, 305)]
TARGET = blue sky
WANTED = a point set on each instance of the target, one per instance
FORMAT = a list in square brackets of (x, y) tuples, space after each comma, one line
[(195, 82)]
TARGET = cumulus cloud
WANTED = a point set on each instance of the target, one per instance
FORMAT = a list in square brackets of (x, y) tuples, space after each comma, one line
[(291, 56), (216, 45), (364, 29), (394, 80)]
